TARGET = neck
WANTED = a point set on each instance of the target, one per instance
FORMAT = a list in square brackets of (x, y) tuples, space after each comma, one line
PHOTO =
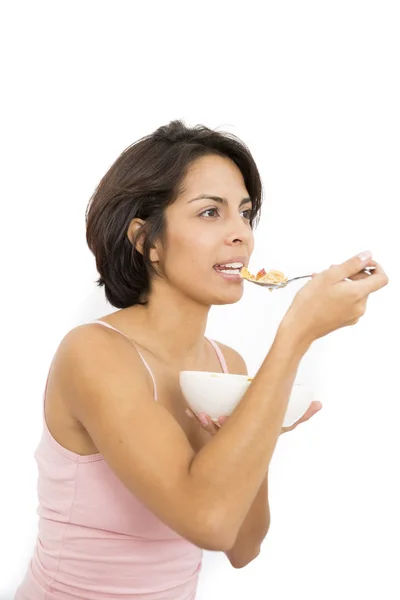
[(173, 324)]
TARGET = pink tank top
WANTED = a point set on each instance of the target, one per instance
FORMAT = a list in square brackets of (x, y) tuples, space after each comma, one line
[(96, 541)]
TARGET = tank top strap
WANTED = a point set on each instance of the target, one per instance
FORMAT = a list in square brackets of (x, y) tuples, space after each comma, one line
[(220, 355), (137, 349)]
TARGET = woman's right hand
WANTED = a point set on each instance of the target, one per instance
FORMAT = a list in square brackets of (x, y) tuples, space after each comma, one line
[(327, 302)]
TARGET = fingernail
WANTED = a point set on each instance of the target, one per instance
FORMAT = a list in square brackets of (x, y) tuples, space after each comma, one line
[(203, 419), (189, 413), (365, 255)]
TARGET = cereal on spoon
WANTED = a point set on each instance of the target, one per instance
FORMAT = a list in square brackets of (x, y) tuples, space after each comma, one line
[(264, 276)]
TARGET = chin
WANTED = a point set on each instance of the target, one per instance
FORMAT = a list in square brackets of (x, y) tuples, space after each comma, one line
[(228, 298), (210, 296)]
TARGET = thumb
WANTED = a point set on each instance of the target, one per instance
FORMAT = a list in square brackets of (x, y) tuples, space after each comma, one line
[(350, 267)]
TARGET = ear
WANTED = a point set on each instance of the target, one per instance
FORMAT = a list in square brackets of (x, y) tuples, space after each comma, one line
[(134, 226)]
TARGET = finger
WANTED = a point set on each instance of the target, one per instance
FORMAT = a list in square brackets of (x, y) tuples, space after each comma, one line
[(371, 283), (204, 420), (358, 276), (311, 410), (208, 424), (371, 263), (364, 273), (221, 421), (350, 267)]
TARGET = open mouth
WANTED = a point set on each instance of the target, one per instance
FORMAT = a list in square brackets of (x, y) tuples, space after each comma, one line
[(229, 268)]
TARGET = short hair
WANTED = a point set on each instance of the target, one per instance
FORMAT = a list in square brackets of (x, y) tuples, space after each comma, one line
[(144, 180)]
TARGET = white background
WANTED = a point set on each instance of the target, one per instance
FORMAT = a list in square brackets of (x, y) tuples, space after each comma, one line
[(313, 89)]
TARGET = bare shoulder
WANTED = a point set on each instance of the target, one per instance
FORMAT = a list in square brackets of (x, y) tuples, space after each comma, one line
[(110, 393), (91, 355), (234, 360), (92, 343), (90, 335)]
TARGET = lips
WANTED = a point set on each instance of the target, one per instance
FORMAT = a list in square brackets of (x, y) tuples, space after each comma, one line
[(243, 260)]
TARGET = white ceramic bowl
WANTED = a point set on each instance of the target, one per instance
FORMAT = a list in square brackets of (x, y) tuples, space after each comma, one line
[(218, 394)]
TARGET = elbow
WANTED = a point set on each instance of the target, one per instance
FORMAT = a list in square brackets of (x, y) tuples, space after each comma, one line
[(216, 533), (213, 544), (238, 562), (215, 540), (215, 536), (245, 551), (222, 537)]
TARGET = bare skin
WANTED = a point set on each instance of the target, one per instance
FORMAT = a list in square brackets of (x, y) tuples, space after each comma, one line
[(71, 434), (100, 396), (195, 244), (196, 241)]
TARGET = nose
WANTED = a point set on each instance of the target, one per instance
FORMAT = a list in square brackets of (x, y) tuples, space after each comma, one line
[(239, 232)]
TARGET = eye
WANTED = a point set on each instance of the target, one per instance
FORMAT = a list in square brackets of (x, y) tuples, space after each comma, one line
[(214, 210), (247, 214)]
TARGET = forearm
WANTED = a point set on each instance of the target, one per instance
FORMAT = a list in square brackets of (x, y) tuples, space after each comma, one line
[(253, 530), (228, 472)]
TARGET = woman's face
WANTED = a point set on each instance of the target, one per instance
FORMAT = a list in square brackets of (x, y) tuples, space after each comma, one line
[(209, 226)]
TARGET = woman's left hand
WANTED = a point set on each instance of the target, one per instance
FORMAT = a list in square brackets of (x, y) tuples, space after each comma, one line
[(213, 428), (310, 412), (206, 422)]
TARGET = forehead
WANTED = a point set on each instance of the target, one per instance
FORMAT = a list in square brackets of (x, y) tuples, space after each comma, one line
[(215, 175)]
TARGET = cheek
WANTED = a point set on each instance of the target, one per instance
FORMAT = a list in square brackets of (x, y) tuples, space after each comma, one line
[(189, 260), (191, 246), (251, 242)]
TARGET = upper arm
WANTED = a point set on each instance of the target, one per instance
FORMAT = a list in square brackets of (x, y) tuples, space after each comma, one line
[(109, 391)]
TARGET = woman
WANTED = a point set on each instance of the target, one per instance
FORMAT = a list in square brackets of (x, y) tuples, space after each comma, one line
[(130, 489)]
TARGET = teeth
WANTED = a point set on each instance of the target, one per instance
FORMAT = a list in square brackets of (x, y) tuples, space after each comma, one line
[(236, 265), (231, 271)]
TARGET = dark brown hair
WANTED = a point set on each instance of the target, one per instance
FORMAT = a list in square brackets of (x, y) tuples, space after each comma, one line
[(144, 180)]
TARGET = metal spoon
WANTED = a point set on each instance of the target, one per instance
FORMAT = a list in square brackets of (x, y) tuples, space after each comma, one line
[(274, 286)]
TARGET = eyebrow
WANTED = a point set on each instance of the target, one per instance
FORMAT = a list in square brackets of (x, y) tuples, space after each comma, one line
[(218, 199)]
